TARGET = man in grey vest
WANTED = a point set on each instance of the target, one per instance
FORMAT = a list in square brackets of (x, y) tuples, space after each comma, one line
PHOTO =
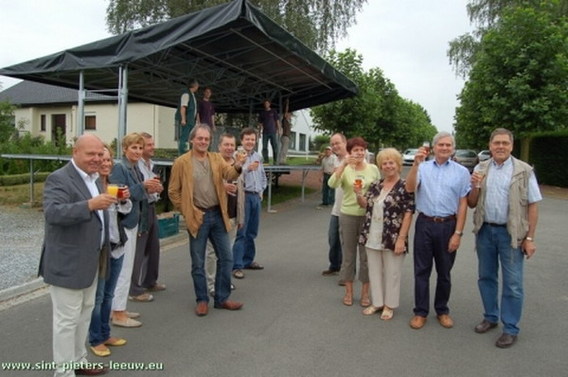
[(186, 115), (505, 195)]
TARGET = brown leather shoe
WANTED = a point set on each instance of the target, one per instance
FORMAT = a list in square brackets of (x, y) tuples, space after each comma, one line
[(229, 305), (329, 272), (157, 287), (484, 326), (202, 309), (417, 322), (506, 340), (254, 266), (446, 321), (91, 372)]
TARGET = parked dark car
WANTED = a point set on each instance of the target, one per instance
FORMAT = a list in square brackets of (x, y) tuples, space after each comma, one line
[(466, 157)]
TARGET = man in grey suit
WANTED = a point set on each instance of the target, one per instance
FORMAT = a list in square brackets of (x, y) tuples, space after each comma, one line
[(75, 250)]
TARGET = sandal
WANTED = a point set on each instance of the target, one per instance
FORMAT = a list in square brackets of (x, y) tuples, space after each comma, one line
[(365, 302), (370, 310), (348, 300), (101, 350), (387, 313)]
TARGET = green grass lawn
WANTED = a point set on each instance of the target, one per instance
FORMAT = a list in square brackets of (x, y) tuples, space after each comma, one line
[(19, 194), (295, 161)]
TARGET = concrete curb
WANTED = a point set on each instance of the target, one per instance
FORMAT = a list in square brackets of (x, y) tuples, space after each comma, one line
[(36, 288)]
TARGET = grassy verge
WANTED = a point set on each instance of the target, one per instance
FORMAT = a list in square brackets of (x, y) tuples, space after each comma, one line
[(19, 194), (295, 161)]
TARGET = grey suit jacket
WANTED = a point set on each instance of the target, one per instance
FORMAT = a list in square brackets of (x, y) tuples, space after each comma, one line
[(71, 253)]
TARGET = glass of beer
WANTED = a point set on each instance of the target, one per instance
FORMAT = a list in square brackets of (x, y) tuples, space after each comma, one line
[(120, 192), (358, 182), (426, 146), (112, 190), (241, 151)]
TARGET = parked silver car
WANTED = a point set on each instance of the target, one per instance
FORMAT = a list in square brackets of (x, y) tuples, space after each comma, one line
[(484, 155), (466, 157)]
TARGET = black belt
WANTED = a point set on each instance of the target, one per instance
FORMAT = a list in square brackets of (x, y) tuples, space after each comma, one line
[(437, 219), (493, 224), (251, 192), (214, 208)]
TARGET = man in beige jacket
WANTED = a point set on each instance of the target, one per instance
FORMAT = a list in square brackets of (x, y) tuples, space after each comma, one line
[(197, 189)]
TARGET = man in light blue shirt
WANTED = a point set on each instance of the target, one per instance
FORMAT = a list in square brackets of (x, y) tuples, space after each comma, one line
[(244, 249), (441, 187), (505, 195)]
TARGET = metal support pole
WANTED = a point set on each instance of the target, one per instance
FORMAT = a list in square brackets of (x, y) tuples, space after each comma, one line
[(122, 105), (269, 204), (81, 106), (32, 198)]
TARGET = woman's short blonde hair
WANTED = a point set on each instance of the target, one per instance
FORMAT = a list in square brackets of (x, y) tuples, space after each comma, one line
[(132, 138), (390, 154)]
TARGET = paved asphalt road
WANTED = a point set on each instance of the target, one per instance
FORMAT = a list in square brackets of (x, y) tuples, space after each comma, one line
[(293, 322)]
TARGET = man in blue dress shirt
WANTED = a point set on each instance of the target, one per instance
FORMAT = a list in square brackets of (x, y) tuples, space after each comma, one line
[(505, 195), (441, 187), (244, 249)]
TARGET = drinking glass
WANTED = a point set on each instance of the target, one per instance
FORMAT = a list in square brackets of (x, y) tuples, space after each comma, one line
[(112, 190), (481, 171)]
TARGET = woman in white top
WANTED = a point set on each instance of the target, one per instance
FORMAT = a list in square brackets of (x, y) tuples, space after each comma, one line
[(388, 215)]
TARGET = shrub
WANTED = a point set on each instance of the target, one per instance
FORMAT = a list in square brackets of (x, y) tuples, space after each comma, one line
[(549, 156)]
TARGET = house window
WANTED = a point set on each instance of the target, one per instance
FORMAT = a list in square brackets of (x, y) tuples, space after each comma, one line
[(292, 141), (42, 123), (90, 122), (302, 146)]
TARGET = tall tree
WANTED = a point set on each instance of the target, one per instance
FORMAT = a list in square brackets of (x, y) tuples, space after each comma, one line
[(317, 23), (519, 79), (377, 113), (7, 128), (485, 14)]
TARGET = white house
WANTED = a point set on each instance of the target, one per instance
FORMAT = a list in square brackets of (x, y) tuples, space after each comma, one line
[(46, 110)]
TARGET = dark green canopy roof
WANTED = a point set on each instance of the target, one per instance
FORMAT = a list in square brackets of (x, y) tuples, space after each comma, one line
[(233, 48)]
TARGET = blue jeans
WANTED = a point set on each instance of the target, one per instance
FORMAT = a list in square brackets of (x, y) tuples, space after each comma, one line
[(99, 329), (334, 244), (244, 249), (431, 241), (273, 143), (493, 247), (212, 229), (327, 193)]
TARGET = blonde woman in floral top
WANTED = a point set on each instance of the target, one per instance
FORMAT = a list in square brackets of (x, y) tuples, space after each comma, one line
[(389, 208)]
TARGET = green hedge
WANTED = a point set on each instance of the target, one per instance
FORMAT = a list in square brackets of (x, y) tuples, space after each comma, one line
[(19, 179), (549, 155)]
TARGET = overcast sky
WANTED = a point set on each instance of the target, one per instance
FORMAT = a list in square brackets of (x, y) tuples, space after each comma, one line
[(407, 39)]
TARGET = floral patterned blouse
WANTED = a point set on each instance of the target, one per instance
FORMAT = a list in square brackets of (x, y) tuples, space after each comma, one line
[(397, 202)]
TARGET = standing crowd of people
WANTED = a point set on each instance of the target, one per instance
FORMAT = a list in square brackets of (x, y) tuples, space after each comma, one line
[(101, 244), (372, 216)]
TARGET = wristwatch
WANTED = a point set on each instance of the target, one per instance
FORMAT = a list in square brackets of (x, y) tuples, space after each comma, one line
[(529, 239), (458, 233)]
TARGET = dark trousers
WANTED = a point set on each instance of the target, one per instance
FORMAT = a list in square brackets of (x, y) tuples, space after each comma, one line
[(273, 138), (335, 255), (147, 257), (431, 241), (327, 193)]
